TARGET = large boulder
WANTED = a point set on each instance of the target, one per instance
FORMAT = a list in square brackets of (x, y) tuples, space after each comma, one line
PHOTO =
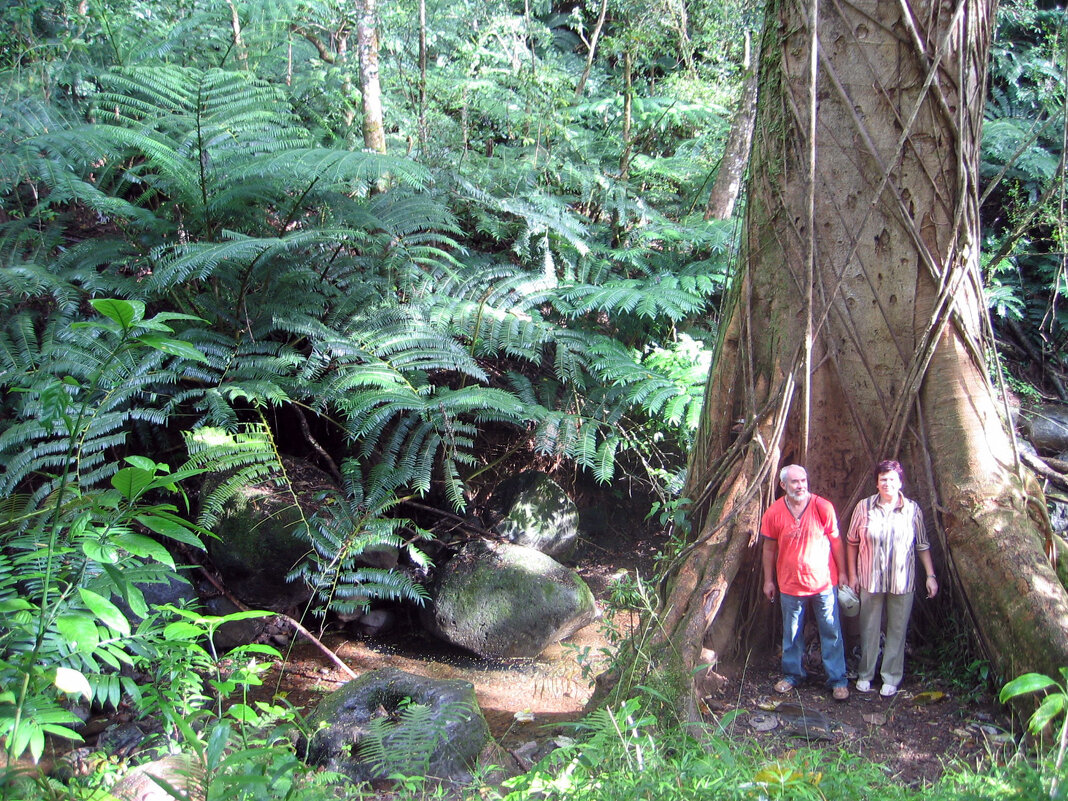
[(257, 541), (233, 633), (537, 513), (502, 601), (388, 721)]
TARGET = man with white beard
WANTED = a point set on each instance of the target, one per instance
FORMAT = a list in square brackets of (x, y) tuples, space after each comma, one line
[(802, 559)]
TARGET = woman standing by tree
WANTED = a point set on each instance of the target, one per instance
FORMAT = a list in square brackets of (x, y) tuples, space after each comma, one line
[(887, 533)]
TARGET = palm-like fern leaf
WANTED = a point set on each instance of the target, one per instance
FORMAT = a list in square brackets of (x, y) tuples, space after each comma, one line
[(347, 527), (74, 394)]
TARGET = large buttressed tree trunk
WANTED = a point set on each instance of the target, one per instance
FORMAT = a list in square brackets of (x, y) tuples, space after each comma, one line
[(856, 331)]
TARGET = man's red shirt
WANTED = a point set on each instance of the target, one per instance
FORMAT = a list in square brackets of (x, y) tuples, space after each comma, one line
[(804, 565)]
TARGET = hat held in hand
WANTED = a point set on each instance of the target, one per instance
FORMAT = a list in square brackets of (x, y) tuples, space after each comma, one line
[(848, 601)]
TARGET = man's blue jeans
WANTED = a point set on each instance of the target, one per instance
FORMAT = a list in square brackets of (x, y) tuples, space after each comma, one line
[(832, 644)]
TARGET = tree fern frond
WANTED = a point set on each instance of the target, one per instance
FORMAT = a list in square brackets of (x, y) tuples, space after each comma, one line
[(663, 297), (348, 525), (570, 360), (403, 341), (238, 459), (199, 261), (338, 168), (73, 394), (605, 460)]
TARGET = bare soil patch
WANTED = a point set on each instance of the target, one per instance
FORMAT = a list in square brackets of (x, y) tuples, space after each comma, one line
[(916, 734)]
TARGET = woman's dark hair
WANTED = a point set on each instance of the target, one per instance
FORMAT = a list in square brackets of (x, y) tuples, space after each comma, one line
[(888, 465)]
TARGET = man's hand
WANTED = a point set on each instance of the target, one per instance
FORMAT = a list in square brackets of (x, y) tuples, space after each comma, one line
[(769, 591), (769, 555)]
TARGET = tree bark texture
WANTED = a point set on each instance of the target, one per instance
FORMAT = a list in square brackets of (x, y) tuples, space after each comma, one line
[(374, 130), (898, 357), (731, 172)]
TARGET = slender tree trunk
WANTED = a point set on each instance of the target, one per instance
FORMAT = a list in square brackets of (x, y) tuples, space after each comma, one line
[(681, 18), (593, 49), (628, 111), (732, 166), (374, 129), (897, 364), (618, 223), (239, 43), (423, 133)]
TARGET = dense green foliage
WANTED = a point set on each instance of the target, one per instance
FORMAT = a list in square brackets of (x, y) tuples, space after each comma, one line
[(202, 269), (199, 260), (1025, 233)]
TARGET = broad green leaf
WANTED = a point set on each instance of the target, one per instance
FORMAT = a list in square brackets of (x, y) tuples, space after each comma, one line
[(174, 347), (37, 743), (124, 312), (217, 741), (53, 714), (146, 547), (180, 475), (243, 713), (106, 656), (147, 464), (102, 551), (73, 682), (181, 630), (1027, 683), (62, 731), (166, 317), (170, 527), (9, 605), (1052, 706), (130, 593), (79, 630), (108, 614), (132, 482)]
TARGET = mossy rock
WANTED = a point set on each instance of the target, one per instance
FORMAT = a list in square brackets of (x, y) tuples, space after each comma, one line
[(370, 728), (505, 601)]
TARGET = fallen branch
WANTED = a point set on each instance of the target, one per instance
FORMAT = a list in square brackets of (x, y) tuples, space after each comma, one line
[(1044, 470), (297, 625)]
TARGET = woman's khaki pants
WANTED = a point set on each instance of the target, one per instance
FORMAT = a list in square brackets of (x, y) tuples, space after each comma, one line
[(897, 608)]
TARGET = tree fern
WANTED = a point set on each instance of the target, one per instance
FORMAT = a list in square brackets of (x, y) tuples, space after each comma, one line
[(488, 296), (345, 528), (236, 460), (74, 393)]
